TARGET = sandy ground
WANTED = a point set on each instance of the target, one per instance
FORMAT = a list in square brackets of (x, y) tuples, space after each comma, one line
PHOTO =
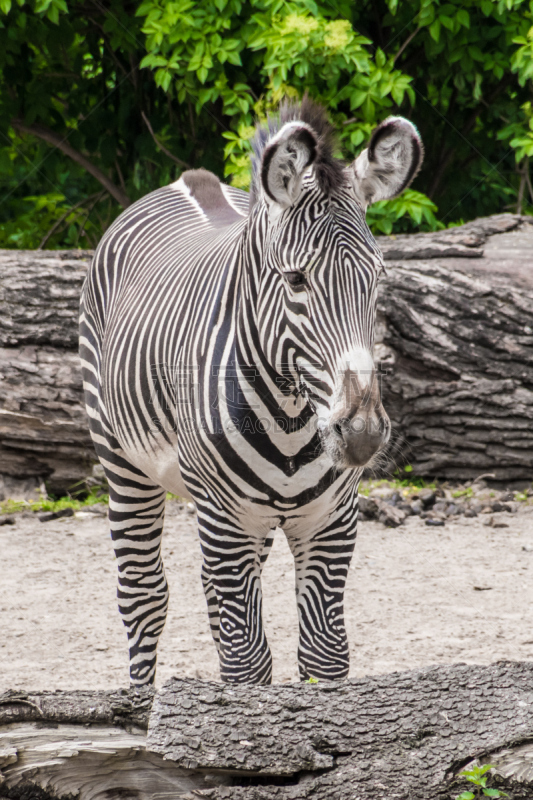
[(415, 596)]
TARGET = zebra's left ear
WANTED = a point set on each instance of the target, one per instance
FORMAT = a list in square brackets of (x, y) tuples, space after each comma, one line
[(390, 162), (285, 159)]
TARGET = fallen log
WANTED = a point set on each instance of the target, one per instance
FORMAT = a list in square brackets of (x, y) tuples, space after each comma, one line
[(404, 736), (454, 340), (44, 432)]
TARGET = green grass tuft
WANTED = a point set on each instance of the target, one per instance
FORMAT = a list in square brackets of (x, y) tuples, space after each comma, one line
[(49, 504)]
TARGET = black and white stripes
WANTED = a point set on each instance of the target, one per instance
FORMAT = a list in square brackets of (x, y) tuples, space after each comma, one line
[(226, 355)]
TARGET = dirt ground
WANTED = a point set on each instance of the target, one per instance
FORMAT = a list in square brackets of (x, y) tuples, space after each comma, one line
[(416, 596)]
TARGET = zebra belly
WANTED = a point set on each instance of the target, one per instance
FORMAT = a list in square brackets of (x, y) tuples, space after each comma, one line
[(160, 464)]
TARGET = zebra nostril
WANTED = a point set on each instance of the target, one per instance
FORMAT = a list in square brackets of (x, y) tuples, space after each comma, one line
[(339, 426)]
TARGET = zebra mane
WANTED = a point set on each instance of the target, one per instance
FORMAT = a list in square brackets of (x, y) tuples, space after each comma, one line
[(328, 170)]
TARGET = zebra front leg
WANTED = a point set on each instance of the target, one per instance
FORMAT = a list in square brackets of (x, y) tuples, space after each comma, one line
[(322, 563), (232, 574), (211, 595), (136, 513)]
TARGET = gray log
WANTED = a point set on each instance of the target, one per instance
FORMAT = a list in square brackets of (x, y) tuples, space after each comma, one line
[(456, 345), (455, 342), (40, 296), (404, 736), (43, 425)]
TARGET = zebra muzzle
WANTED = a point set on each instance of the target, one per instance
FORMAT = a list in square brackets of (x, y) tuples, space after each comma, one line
[(361, 427), (360, 438)]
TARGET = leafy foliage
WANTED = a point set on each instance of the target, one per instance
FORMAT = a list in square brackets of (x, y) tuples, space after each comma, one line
[(477, 776), (134, 91)]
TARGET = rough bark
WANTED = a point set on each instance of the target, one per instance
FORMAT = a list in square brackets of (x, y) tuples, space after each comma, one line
[(456, 344), (455, 341), (404, 736), (43, 425)]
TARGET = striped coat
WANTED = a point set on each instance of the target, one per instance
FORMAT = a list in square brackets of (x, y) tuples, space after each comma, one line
[(226, 347)]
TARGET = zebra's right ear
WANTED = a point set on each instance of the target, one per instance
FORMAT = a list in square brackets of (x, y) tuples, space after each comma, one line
[(285, 159)]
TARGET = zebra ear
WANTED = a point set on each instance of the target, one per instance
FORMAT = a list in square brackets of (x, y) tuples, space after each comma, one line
[(285, 159), (390, 162)]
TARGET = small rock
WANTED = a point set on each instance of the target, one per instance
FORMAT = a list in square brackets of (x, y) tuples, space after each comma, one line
[(434, 522), (191, 508), (391, 516), (383, 492), (403, 506), (470, 512), (6, 520), (496, 507), (482, 588), (416, 507), (506, 496), (453, 509), (51, 515), (427, 497), (527, 548), (486, 510), (493, 523), (368, 507), (440, 507), (395, 499), (96, 508)]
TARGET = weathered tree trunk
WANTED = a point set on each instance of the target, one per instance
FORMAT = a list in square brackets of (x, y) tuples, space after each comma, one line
[(456, 342), (404, 736), (43, 425), (455, 339)]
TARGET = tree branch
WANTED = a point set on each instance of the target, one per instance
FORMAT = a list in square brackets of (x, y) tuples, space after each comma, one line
[(61, 143), (405, 44), (162, 147), (63, 217)]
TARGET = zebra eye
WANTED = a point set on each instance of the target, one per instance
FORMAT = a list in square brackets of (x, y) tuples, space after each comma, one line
[(295, 278)]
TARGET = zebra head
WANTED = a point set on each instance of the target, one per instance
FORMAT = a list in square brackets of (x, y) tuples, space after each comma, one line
[(316, 280)]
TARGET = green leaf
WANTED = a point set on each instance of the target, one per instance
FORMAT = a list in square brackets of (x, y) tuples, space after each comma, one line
[(494, 793), (53, 14), (466, 796), (463, 17), (5, 6), (434, 30), (152, 60), (381, 58), (163, 78), (357, 98)]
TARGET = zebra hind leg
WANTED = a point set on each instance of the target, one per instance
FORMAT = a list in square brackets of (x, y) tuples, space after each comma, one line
[(211, 595), (136, 513)]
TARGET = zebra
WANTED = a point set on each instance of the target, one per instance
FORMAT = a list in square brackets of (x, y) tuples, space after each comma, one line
[(226, 345)]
